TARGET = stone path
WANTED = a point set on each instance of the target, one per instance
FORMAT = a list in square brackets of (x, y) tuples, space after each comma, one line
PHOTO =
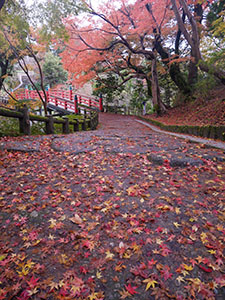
[(125, 134), (122, 212)]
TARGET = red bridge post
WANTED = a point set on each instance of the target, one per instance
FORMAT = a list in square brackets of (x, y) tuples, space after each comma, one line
[(75, 104), (71, 93)]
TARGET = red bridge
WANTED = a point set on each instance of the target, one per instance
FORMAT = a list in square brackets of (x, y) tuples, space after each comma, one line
[(58, 99)]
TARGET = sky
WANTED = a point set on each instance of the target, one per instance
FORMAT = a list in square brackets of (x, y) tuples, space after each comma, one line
[(95, 3)]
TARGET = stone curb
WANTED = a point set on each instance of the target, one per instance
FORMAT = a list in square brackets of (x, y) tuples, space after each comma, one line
[(212, 132), (210, 143)]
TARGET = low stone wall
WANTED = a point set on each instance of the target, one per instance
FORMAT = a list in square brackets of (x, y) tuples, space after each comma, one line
[(210, 131)]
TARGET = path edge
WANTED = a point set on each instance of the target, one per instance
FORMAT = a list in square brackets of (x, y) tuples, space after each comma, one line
[(210, 143)]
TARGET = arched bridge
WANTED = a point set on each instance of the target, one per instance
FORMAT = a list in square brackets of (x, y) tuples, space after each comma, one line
[(62, 100)]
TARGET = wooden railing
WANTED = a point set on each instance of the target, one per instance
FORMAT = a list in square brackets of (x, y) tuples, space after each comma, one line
[(66, 99), (89, 120)]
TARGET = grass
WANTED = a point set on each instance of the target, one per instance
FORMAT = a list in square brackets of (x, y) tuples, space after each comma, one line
[(10, 126)]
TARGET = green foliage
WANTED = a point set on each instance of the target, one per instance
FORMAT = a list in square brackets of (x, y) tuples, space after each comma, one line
[(109, 87), (205, 83), (156, 109), (51, 15), (215, 18), (169, 89), (138, 94), (53, 70), (9, 126), (13, 22), (219, 26)]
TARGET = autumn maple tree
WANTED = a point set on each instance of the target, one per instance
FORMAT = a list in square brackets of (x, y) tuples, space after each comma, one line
[(127, 36), (114, 41)]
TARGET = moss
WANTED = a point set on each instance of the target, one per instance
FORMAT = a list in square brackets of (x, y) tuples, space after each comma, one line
[(9, 113), (221, 133), (38, 118), (214, 132), (9, 126), (196, 130)]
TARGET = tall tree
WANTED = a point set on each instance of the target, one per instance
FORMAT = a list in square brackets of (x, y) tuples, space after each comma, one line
[(19, 40), (12, 21), (192, 36), (114, 35), (162, 29)]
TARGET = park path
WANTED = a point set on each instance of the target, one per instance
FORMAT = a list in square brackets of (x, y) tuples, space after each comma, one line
[(123, 212)]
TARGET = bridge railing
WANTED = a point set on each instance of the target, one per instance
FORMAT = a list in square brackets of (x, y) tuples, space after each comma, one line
[(66, 99)]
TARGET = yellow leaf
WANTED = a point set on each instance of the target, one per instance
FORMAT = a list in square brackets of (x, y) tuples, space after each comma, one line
[(176, 224), (177, 210), (204, 237), (159, 241), (53, 285), (93, 296), (30, 263), (187, 268), (127, 254), (98, 274), (180, 279), (195, 281), (124, 294), (184, 272), (33, 291), (150, 282), (212, 251), (53, 223), (109, 255), (3, 257)]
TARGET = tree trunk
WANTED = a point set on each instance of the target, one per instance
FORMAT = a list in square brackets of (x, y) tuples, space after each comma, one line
[(4, 69), (149, 87), (156, 100), (174, 69), (192, 73), (193, 39), (1, 3), (220, 74)]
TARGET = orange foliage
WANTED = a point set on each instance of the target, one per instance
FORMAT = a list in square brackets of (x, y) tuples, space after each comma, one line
[(102, 39)]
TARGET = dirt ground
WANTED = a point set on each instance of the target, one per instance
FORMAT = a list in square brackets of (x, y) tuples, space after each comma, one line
[(209, 110)]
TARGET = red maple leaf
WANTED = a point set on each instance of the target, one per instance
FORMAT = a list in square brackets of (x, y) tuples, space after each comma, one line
[(166, 274), (33, 282), (131, 289)]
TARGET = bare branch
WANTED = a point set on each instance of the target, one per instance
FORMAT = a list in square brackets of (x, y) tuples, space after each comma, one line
[(8, 93)]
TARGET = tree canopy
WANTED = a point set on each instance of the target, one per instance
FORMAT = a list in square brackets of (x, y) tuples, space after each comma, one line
[(124, 36)]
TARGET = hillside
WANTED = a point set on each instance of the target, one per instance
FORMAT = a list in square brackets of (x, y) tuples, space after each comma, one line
[(209, 111)]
